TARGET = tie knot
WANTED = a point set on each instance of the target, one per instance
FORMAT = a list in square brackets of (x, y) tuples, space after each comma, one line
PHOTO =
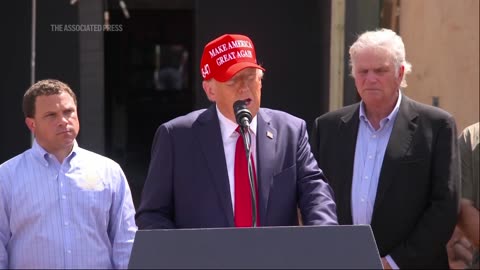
[(238, 129), (245, 130)]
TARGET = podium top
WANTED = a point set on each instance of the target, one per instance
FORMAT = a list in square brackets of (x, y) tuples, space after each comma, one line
[(341, 246)]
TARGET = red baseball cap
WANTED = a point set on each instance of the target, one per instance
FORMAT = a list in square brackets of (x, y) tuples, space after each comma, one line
[(226, 55)]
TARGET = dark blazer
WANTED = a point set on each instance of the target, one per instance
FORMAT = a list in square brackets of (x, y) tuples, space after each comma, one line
[(187, 183), (415, 209)]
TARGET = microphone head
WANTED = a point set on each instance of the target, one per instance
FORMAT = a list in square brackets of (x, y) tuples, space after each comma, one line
[(241, 112)]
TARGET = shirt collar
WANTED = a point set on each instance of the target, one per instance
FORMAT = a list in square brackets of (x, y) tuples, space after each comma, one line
[(44, 156), (228, 127), (390, 117)]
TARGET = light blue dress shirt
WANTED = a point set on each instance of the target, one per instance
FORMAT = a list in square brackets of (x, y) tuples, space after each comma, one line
[(369, 153), (78, 214)]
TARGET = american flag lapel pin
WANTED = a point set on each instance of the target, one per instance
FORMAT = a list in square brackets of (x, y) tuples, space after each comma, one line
[(269, 134)]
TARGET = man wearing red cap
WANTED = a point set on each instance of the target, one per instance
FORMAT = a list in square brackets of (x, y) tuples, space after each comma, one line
[(196, 178)]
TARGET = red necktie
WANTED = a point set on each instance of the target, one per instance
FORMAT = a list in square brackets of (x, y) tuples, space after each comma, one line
[(243, 201)]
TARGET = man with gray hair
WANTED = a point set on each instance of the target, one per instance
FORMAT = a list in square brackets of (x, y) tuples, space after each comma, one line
[(391, 161)]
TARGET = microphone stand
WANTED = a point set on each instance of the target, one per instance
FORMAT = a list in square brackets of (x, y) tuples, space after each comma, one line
[(247, 143)]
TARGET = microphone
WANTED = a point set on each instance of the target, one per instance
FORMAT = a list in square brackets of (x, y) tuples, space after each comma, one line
[(242, 114), (124, 9)]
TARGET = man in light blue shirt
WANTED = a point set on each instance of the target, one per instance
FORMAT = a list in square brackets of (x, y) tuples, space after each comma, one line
[(62, 206)]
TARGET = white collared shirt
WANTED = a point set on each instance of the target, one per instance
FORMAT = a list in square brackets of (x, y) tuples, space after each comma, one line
[(229, 138)]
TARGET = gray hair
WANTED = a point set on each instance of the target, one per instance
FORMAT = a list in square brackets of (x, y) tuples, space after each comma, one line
[(385, 39)]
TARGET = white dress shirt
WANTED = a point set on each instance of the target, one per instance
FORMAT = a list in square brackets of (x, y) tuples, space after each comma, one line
[(229, 137)]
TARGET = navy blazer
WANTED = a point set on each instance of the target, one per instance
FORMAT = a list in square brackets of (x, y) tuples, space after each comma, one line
[(187, 183), (415, 208)]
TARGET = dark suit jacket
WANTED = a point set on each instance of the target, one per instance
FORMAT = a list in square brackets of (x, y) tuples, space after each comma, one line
[(187, 183), (415, 209)]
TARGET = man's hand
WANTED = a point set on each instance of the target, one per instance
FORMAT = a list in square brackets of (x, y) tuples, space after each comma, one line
[(459, 250)]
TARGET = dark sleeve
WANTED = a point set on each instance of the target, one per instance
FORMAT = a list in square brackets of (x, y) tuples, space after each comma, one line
[(314, 139), (316, 199), (156, 206), (427, 242)]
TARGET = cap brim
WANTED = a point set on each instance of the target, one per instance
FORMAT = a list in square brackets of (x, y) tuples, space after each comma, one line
[(234, 69)]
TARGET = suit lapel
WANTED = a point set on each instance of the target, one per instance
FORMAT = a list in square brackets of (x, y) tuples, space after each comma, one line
[(348, 129), (266, 145), (211, 143), (400, 139)]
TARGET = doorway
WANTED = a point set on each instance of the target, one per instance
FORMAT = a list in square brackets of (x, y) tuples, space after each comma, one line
[(148, 81)]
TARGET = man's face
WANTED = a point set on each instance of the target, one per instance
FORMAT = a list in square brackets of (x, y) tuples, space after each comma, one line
[(375, 77), (55, 123), (245, 85)]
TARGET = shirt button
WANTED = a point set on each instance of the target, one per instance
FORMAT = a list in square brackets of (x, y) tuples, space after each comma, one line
[(64, 197), (370, 157), (362, 200), (374, 136), (66, 223), (69, 251), (365, 177)]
